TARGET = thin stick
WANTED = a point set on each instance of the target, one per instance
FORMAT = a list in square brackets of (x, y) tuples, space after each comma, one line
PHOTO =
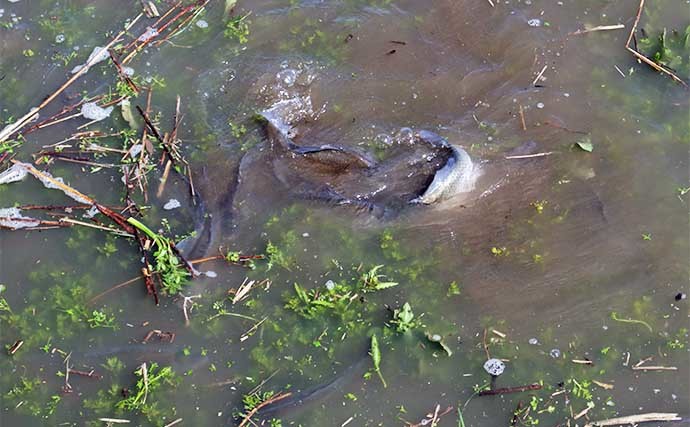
[(188, 299), (14, 127), (529, 156), (486, 347), (65, 188), (491, 3), (598, 28), (654, 368), (177, 421), (633, 419), (164, 179), (541, 73), (619, 70), (250, 414), (15, 347), (582, 413), (98, 227), (522, 119), (121, 285)]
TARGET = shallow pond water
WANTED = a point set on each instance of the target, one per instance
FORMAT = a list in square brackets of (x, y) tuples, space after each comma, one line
[(571, 266)]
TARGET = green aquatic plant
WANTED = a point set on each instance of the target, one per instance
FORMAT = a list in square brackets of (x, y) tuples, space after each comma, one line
[(614, 316), (679, 340), (172, 271), (100, 319), (391, 247), (4, 305), (581, 389), (237, 28), (282, 254), (453, 289), (403, 319), (9, 145), (317, 302), (371, 280), (113, 365), (237, 130), (27, 395), (376, 358), (670, 49), (151, 378)]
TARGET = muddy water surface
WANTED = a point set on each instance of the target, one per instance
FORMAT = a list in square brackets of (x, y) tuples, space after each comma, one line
[(566, 265)]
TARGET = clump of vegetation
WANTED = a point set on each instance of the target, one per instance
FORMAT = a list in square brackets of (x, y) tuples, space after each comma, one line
[(9, 145), (670, 49), (372, 281), (254, 400), (4, 305), (317, 302), (453, 289), (403, 319), (237, 28), (279, 255), (151, 378), (172, 271), (100, 319), (25, 393)]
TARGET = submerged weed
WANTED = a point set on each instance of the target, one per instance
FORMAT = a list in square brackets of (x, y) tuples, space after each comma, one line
[(151, 378), (237, 28)]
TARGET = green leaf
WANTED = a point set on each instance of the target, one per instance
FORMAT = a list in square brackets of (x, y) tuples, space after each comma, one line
[(301, 293), (385, 285), (585, 144), (376, 358)]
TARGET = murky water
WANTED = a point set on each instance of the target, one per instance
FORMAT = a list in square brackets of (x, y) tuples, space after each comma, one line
[(570, 266)]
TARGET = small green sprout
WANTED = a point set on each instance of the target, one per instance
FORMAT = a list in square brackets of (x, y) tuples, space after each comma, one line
[(403, 319), (371, 280), (150, 379), (237, 28), (453, 289), (99, 319)]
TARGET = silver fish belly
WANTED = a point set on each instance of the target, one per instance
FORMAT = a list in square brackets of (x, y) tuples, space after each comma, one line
[(458, 175)]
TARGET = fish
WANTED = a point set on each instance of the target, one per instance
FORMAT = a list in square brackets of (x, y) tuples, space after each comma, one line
[(345, 176), (300, 400), (458, 175)]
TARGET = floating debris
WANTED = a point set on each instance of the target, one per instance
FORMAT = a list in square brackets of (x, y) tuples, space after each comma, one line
[(172, 204), (12, 218), (201, 23), (148, 34), (92, 111), (494, 367), (438, 340), (99, 54), (536, 22), (15, 173), (50, 182), (555, 353)]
